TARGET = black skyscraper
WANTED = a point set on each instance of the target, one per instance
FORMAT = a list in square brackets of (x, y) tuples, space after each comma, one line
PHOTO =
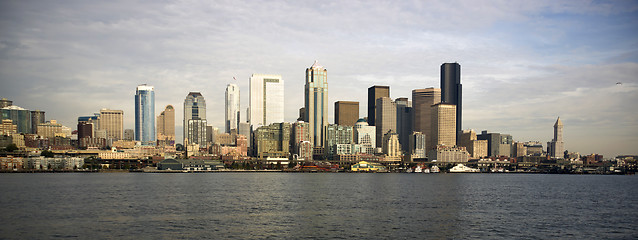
[(451, 90)]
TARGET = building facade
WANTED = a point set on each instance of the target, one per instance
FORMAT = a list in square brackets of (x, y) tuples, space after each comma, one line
[(21, 117), (405, 122), (144, 115), (451, 90), (346, 113), (266, 100), (316, 102), (556, 147), (444, 124), (422, 101), (232, 107), (336, 134), (112, 121), (37, 117), (375, 92), (272, 140), (386, 119), (166, 126), (195, 119)]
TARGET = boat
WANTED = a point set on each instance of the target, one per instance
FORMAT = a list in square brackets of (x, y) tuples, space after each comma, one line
[(435, 169), (418, 169), (460, 168), (427, 170)]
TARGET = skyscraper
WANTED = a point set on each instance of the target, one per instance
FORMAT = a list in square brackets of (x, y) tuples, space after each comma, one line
[(166, 126), (444, 124), (316, 102), (375, 92), (346, 113), (195, 119), (451, 90), (405, 122), (266, 100), (37, 117), (557, 146), (422, 101), (232, 107), (20, 117), (144, 114), (386, 118), (112, 121)]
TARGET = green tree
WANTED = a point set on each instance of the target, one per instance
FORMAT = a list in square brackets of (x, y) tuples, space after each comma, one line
[(46, 153), (12, 147)]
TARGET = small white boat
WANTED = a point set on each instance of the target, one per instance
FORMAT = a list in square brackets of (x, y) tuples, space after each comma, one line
[(418, 169), (463, 169), (435, 169), (427, 170)]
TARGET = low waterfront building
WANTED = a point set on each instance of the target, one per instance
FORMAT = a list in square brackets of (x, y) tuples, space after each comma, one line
[(364, 166)]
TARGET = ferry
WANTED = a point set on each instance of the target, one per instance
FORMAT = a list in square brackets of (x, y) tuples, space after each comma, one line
[(463, 169)]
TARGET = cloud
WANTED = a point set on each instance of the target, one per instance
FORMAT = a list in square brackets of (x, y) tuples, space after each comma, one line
[(523, 61)]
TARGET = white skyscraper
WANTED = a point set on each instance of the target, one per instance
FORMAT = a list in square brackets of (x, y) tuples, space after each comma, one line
[(232, 107), (266, 100)]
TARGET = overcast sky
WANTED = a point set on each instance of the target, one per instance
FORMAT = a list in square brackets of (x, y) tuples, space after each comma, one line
[(523, 63)]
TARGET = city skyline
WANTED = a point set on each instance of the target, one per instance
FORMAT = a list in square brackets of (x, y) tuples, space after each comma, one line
[(523, 66)]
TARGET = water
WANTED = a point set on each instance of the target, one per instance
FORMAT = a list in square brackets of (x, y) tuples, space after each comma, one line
[(317, 206)]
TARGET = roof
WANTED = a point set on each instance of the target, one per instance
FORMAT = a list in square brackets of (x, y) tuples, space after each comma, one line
[(316, 65), (558, 122), (13, 107)]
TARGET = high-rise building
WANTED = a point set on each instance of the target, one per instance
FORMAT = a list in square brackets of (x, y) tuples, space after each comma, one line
[(272, 140), (422, 101), (232, 107), (112, 121), (498, 144), (476, 148), (391, 146), (346, 113), (417, 144), (266, 100), (37, 117), (405, 122), (556, 147), (166, 126), (336, 134), (195, 119), (20, 117), (316, 102), (451, 90), (5, 103), (375, 92), (365, 134), (144, 115), (444, 124), (386, 119), (49, 129), (301, 133)]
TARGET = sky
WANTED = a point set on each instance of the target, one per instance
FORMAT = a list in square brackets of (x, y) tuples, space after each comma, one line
[(523, 63)]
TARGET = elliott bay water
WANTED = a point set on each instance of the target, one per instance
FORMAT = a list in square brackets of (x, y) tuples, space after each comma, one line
[(317, 206)]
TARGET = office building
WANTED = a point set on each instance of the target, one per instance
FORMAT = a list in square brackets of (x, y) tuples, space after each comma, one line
[(365, 134), (476, 148), (49, 129), (391, 146), (556, 147), (37, 117), (346, 113), (5, 103), (272, 140), (301, 133), (20, 117), (232, 107), (448, 154), (336, 134), (129, 134), (8, 127), (422, 101), (386, 118), (112, 121), (451, 89), (195, 119), (166, 126), (266, 100), (498, 144), (405, 122), (316, 102), (444, 124), (375, 92), (144, 115), (417, 143)]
